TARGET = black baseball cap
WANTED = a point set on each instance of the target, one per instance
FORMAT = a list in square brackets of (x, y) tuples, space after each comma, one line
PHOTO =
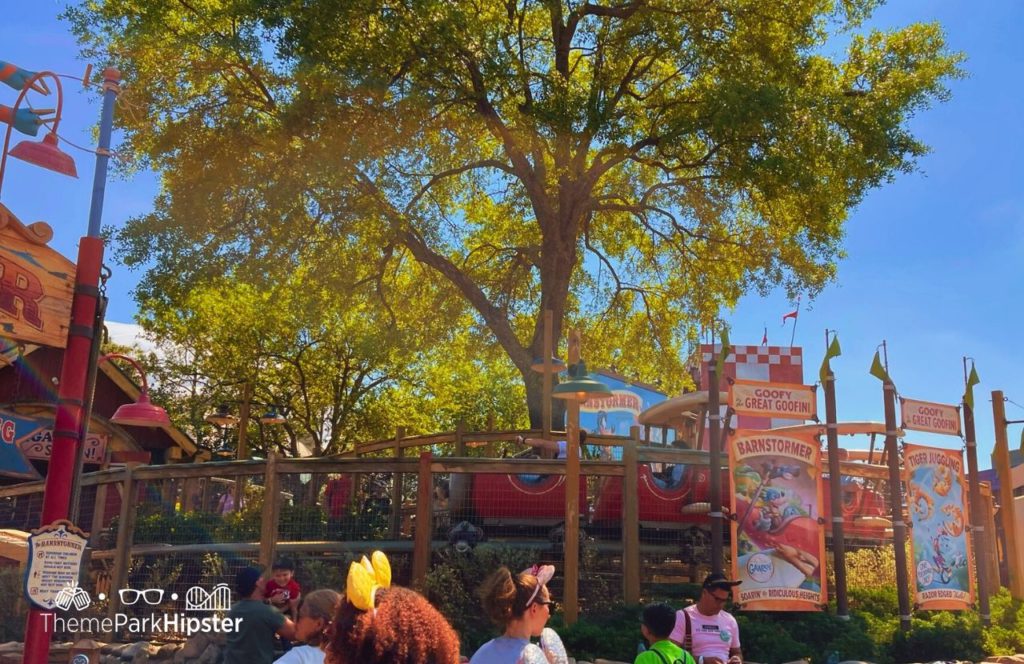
[(717, 580)]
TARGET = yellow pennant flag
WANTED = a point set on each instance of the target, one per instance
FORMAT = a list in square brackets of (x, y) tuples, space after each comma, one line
[(878, 370), (833, 350), (972, 380)]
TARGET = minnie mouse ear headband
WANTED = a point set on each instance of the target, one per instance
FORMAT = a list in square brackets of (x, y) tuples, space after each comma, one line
[(365, 578), (543, 574)]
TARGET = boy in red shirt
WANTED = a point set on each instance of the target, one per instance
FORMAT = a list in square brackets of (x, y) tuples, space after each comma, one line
[(282, 590)]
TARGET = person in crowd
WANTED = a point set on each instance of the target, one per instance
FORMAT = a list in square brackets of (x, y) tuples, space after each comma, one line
[(705, 629), (520, 605), (315, 614), (552, 449), (377, 623), (253, 641), (282, 590), (656, 624)]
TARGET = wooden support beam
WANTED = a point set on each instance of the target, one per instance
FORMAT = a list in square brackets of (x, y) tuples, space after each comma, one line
[(396, 489), (271, 511), (424, 523), (631, 521)]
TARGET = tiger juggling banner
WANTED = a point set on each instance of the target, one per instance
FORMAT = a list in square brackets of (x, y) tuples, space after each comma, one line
[(778, 546), (942, 577)]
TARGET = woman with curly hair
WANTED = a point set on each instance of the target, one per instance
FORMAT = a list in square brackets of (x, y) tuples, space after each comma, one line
[(315, 613), (377, 623), (520, 605)]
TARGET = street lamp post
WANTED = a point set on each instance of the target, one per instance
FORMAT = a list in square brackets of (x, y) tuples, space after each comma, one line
[(74, 369)]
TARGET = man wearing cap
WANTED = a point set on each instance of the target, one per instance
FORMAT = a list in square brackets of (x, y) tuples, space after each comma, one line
[(704, 629)]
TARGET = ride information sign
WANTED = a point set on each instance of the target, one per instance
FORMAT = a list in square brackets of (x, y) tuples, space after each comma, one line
[(785, 400), (778, 546), (54, 559), (942, 575), (931, 417)]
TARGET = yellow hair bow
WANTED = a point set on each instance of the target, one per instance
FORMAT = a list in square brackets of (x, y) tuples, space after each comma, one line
[(365, 577)]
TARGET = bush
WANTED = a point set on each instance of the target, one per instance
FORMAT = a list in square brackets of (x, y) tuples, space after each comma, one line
[(610, 634)]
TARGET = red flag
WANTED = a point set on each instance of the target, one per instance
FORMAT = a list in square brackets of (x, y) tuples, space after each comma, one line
[(764, 339), (791, 314)]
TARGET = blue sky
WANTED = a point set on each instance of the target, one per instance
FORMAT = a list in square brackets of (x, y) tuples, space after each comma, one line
[(934, 259)]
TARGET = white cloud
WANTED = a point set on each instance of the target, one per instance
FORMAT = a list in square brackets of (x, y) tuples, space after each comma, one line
[(130, 334)]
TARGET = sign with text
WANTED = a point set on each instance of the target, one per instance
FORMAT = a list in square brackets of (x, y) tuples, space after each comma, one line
[(760, 399), (54, 559), (39, 445), (931, 417), (942, 574), (36, 284), (13, 462), (778, 546)]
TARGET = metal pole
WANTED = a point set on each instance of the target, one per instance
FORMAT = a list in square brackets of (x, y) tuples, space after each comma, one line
[(1001, 462), (899, 526), (977, 522), (836, 493), (715, 467), (74, 369), (90, 390)]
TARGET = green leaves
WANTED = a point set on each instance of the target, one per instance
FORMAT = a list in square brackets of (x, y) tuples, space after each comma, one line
[(634, 168)]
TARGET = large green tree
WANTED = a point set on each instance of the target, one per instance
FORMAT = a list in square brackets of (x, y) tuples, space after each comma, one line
[(632, 165)]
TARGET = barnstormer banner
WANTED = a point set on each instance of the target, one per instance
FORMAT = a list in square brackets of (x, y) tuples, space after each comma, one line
[(778, 546), (938, 517), (760, 399)]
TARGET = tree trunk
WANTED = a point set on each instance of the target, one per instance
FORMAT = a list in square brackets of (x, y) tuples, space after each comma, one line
[(534, 382)]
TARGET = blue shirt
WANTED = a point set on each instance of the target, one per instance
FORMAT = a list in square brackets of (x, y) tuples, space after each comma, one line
[(504, 650)]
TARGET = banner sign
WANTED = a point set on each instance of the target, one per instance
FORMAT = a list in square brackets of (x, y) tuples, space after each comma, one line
[(54, 558), (931, 417), (942, 577), (760, 399), (778, 546), (38, 444), (13, 462), (36, 284)]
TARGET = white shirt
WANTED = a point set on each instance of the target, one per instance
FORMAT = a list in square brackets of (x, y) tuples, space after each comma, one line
[(301, 655)]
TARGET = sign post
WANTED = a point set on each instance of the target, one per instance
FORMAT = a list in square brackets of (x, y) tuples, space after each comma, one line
[(54, 560)]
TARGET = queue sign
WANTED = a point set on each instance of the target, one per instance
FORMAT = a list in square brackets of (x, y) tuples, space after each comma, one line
[(931, 417), (55, 556), (783, 400)]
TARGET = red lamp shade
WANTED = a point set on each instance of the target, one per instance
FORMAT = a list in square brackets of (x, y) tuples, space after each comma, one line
[(142, 413), (46, 154)]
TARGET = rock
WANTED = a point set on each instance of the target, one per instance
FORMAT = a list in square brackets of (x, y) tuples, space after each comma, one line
[(1005, 659), (166, 651), (129, 652), (211, 655)]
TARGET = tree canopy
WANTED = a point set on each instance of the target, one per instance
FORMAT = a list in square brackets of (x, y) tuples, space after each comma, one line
[(632, 165)]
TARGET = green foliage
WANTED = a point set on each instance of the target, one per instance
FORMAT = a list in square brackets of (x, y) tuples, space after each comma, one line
[(424, 169), (1006, 635), (940, 635), (177, 528), (452, 582), (612, 633)]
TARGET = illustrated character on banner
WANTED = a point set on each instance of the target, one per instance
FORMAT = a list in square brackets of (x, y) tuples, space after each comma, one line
[(25, 120), (944, 557)]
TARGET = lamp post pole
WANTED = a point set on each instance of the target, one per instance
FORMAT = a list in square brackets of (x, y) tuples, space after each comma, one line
[(67, 425)]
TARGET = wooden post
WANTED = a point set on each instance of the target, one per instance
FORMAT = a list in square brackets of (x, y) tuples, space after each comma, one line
[(396, 489), (977, 521), (715, 467), (99, 510), (631, 520), (991, 551), (571, 547), (460, 441), (1001, 462), (424, 523), (835, 493), (123, 552), (899, 526), (271, 511), (242, 449)]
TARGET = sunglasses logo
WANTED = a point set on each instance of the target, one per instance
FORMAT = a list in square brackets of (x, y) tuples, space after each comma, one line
[(151, 596)]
